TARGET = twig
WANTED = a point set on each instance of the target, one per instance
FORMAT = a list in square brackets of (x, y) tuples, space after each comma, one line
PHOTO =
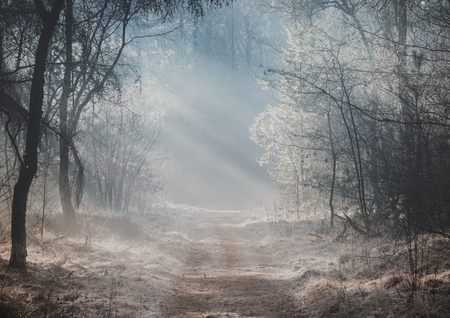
[(315, 235)]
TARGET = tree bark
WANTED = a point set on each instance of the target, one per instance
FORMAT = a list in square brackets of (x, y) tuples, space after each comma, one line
[(1, 41), (64, 183), (28, 165), (412, 201), (333, 178), (402, 27)]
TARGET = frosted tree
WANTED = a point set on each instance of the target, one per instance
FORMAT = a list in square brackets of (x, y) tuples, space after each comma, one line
[(372, 74), (323, 97)]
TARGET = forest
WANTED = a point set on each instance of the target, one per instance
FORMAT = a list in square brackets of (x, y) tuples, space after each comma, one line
[(165, 142)]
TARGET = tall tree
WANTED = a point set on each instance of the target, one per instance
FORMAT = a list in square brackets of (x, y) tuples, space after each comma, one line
[(64, 185), (97, 67), (28, 166), (378, 66)]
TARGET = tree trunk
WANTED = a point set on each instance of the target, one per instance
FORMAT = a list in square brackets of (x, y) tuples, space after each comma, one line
[(1, 41), (333, 178), (405, 100), (118, 192), (373, 148), (28, 165), (110, 195), (64, 184), (411, 201)]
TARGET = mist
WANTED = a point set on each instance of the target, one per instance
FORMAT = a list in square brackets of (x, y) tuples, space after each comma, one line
[(276, 158), (214, 160), (210, 101)]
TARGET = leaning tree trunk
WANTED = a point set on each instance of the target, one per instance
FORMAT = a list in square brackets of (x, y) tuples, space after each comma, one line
[(28, 166)]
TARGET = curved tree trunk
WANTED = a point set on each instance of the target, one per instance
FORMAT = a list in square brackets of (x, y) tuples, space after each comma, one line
[(333, 178), (28, 165)]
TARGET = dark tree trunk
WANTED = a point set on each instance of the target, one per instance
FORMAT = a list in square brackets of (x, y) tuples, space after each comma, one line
[(412, 201), (66, 135), (28, 165), (333, 178), (402, 20), (1, 41)]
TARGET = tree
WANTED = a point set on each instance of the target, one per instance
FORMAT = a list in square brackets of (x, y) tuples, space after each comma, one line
[(28, 166), (374, 71), (320, 86), (124, 141), (96, 69)]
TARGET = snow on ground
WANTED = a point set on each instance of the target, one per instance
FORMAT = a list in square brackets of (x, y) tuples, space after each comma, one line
[(183, 261)]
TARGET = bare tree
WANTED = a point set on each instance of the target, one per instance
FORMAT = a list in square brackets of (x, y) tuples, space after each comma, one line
[(380, 69), (123, 143), (28, 166), (95, 69)]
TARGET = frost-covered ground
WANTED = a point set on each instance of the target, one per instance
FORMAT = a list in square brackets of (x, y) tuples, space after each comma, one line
[(182, 261)]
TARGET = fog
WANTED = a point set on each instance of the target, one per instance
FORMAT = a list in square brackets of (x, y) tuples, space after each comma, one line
[(209, 106), (225, 158), (214, 161)]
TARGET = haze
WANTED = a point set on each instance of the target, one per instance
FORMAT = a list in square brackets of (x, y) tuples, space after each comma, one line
[(209, 105), (276, 158)]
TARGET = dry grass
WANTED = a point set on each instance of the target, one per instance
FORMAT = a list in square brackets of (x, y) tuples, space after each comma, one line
[(115, 267), (11, 305), (87, 274), (370, 283), (359, 277)]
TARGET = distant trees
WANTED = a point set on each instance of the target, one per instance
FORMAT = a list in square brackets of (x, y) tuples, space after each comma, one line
[(120, 164), (225, 42), (362, 114)]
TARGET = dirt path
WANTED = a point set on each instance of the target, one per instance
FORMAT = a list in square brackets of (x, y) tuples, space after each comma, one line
[(186, 262), (180, 262), (228, 272)]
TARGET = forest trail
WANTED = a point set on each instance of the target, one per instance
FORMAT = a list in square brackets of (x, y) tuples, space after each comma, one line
[(228, 271), (180, 261)]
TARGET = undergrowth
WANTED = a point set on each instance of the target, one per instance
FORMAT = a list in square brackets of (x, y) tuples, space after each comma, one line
[(384, 278), (11, 306), (405, 273)]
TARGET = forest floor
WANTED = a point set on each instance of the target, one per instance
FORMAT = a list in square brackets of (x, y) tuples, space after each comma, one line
[(189, 262)]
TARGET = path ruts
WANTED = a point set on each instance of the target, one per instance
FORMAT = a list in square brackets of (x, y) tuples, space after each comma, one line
[(223, 275)]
